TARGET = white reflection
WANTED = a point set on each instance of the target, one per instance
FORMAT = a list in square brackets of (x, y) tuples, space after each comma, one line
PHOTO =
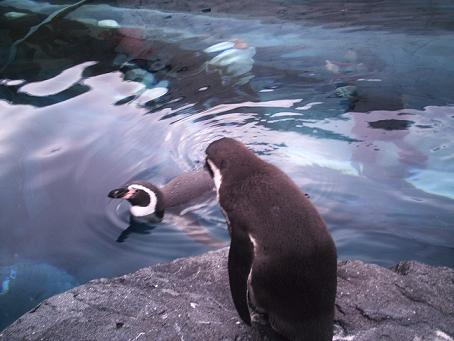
[(151, 94), (308, 106), (57, 84)]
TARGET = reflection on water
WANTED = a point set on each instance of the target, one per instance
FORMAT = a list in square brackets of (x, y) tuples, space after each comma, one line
[(359, 116)]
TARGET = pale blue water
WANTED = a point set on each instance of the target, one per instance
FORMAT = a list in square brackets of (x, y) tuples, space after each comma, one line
[(357, 108)]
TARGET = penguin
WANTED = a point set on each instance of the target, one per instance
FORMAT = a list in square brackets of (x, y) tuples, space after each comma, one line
[(149, 203), (282, 261)]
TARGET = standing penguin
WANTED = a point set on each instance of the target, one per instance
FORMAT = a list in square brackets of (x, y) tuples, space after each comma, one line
[(282, 259)]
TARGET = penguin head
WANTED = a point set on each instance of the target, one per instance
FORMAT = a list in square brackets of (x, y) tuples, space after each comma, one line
[(227, 157), (215, 160), (147, 200)]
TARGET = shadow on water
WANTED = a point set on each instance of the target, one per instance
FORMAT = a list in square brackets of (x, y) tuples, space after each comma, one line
[(357, 108)]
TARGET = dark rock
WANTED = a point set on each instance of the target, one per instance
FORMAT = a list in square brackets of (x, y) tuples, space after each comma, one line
[(348, 91), (190, 299), (391, 124)]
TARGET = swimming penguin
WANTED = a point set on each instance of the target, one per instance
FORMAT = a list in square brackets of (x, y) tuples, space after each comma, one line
[(282, 260), (148, 202)]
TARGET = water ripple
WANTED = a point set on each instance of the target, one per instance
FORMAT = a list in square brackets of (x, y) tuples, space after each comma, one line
[(361, 121)]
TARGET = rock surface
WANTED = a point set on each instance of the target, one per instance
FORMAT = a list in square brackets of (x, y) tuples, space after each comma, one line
[(189, 299)]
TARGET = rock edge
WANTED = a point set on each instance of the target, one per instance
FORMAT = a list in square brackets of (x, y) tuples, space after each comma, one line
[(189, 299)]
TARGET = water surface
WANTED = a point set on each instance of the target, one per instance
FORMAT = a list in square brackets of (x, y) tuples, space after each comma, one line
[(357, 108)]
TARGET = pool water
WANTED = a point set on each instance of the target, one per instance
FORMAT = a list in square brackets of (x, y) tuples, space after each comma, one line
[(354, 101)]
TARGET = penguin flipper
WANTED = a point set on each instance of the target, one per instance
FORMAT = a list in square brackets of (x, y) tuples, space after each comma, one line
[(239, 265)]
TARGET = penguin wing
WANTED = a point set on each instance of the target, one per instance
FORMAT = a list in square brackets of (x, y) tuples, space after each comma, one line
[(239, 265)]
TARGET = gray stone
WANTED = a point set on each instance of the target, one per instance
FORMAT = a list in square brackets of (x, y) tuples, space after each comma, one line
[(189, 299), (348, 91)]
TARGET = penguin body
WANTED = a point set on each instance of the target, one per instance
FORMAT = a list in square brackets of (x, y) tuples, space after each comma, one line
[(282, 260), (187, 187)]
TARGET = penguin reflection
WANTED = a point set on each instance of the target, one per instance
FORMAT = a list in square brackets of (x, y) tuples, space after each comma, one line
[(149, 203), (135, 227)]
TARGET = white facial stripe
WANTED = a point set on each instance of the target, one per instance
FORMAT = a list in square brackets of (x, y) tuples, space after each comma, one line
[(217, 177), (140, 211), (254, 242)]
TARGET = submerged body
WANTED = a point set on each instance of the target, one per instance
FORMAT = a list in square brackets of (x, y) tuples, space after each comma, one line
[(282, 260), (186, 187)]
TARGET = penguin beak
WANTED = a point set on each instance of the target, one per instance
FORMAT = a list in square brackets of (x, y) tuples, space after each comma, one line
[(121, 193)]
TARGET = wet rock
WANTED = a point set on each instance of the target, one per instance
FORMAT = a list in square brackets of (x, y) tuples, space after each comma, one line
[(348, 91), (15, 15), (189, 299), (108, 23), (391, 124)]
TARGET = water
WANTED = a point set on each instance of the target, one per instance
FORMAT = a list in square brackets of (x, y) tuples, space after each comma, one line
[(357, 108)]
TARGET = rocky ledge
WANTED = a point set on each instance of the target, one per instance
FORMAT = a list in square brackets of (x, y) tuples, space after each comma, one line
[(189, 299)]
